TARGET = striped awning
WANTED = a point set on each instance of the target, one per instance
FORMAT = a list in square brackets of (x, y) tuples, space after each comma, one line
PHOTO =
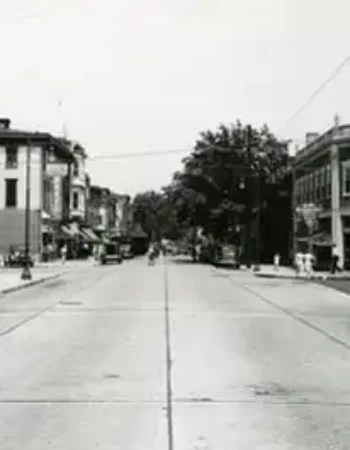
[(320, 239), (91, 235), (67, 230)]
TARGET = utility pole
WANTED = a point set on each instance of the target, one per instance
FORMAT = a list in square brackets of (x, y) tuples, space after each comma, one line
[(258, 220), (248, 229), (258, 204), (26, 274)]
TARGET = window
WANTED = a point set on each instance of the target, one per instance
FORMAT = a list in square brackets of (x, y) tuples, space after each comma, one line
[(308, 188), (323, 183), (11, 193), (346, 178), (328, 181), (318, 184), (75, 169), (301, 190), (75, 200), (11, 157)]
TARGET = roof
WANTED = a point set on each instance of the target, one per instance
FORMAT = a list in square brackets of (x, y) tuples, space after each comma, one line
[(12, 134), (339, 135)]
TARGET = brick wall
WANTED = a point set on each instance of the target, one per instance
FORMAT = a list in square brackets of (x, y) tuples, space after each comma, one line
[(12, 228)]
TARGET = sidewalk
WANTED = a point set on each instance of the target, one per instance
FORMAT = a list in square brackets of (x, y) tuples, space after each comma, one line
[(269, 271), (10, 279)]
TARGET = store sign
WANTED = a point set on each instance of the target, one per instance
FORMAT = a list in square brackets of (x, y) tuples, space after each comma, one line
[(309, 212), (57, 198), (57, 170)]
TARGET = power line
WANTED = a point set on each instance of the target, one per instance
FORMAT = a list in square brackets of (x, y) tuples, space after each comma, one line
[(137, 154), (322, 86)]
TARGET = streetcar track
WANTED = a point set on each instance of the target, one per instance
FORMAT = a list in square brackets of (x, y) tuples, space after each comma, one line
[(292, 315)]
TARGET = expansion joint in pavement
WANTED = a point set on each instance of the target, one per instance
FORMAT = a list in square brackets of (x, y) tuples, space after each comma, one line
[(169, 393)]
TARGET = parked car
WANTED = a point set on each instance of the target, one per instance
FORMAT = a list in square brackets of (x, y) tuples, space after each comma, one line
[(17, 258), (126, 251), (111, 253)]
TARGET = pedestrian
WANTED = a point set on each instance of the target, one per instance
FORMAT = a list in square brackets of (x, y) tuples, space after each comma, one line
[(276, 261), (64, 253), (309, 263), (335, 260), (298, 263)]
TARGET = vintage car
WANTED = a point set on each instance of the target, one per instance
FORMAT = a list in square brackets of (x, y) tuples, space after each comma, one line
[(16, 257), (111, 253)]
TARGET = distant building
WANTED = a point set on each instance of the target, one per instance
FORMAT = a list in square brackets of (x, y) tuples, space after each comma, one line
[(79, 184), (98, 210), (50, 167), (122, 217), (322, 178)]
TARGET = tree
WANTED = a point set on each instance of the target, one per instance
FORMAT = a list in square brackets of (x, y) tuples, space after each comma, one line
[(226, 170), (155, 212), (218, 186), (146, 207)]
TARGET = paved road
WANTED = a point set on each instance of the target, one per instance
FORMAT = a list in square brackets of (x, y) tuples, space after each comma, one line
[(255, 364)]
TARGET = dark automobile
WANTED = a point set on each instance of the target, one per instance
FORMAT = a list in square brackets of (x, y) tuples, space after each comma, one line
[(111, 253), (17, 258), (126, 251)]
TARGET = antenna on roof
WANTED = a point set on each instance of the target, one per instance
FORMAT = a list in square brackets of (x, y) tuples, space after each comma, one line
[(65, 131), (336, 120)]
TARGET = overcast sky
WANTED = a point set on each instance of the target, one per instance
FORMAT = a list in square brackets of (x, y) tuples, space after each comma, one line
[(148, 75)]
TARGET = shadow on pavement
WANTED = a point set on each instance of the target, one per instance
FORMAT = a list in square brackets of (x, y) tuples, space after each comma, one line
[(183, 260), (338, 285)]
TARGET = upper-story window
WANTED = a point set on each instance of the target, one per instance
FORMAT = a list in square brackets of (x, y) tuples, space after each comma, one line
[(75, 169), (318, 184), (11, 193), (11, 157), (75, 200), (346, 178), (328, 181), (323, 183)]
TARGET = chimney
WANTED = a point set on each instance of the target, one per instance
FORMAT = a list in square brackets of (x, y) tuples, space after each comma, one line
[(310, 137), (5, 123)]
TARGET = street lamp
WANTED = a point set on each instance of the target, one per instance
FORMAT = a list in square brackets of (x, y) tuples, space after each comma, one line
[(26, 274)]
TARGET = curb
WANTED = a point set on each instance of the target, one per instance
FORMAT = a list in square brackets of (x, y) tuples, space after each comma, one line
[(291, 277), (30, 284)]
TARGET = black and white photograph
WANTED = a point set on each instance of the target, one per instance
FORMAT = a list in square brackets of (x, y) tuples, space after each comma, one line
[(174, 225)]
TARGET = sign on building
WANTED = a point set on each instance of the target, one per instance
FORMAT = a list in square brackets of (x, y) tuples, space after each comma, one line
[(309, 212), (57, 170), (57, 198)]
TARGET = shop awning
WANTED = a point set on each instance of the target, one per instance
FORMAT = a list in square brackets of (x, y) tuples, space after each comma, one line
[(320, 239), (68, 231), (91, 235), (138, 232), (323, 240)]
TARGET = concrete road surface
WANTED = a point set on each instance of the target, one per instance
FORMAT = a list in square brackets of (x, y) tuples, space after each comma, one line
[(174, 357)]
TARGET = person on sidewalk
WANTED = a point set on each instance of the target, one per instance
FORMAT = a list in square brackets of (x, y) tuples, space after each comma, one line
[(298, 263), (335, 260), (276, 261), (309, 264), (64, 254)]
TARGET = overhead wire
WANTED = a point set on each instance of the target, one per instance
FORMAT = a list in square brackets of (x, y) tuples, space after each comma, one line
[(311, 98), (320, 88)]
